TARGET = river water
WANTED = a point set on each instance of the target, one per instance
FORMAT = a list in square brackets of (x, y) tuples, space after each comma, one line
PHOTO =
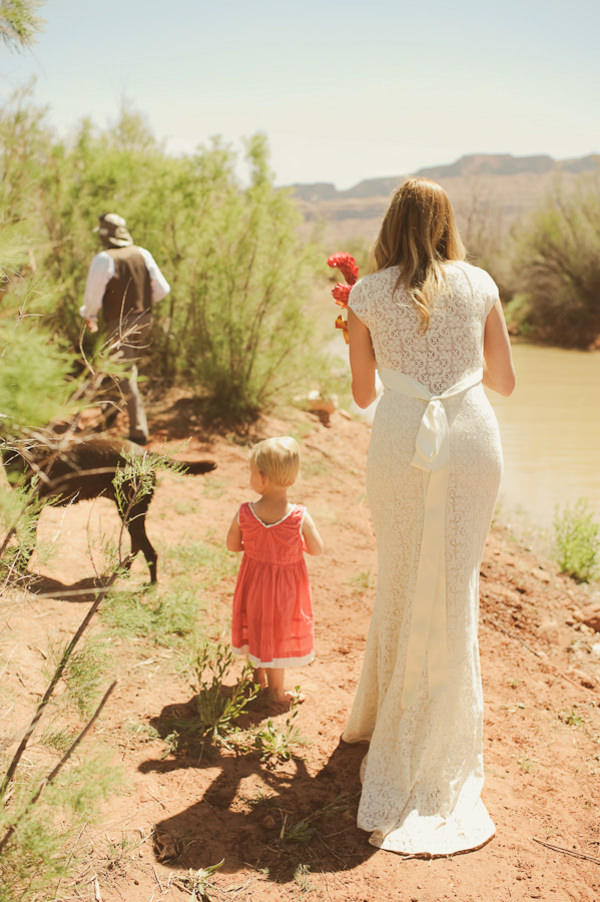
[(550, 429)]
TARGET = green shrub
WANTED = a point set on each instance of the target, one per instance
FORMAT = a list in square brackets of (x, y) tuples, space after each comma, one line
[(577, 541), (557, 269), (234, 327)]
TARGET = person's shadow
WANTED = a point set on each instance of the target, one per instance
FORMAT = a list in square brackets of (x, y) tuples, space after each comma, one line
[(84, 590), (272, 817)]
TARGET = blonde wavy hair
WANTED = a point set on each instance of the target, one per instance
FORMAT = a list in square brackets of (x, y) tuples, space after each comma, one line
[(419, 234), (278, 459)]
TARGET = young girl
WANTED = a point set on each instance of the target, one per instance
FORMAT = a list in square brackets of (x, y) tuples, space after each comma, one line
[(272, 606)]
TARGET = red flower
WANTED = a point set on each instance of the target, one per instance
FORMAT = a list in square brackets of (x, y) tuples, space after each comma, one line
[(349, 269), (347, 266), (341, 293)]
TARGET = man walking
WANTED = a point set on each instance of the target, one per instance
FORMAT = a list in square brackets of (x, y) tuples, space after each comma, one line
[(124, 281)]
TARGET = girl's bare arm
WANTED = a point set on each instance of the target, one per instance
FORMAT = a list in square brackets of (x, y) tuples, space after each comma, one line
[(234, 536), (313, 542)]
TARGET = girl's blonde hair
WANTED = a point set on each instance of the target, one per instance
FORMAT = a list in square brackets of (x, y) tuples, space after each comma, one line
[(278, 459), (419, 234)]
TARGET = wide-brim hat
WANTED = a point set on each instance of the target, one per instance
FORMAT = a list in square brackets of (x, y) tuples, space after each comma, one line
[(113, 230)]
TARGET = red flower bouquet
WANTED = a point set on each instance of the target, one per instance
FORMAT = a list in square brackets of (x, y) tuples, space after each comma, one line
[(349, 269)]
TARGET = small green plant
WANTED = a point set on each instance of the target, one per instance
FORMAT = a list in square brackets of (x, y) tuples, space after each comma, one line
[(570, 717), (527, 764), (301, 878), (272, 742), (577, 541), (303, 831), (197, 883), (218, 710), (217, 707), (362, 581)]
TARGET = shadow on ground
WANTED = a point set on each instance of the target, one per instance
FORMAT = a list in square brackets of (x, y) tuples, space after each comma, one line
[(274, 817)]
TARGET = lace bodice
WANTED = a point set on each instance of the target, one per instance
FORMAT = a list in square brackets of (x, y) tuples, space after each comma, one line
[(452, 345)]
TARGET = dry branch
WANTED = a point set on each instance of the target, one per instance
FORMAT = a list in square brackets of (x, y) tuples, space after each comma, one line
[(554, 848), (54, 773)]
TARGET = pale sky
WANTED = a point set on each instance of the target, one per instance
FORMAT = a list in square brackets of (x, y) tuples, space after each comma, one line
[(344, 90)]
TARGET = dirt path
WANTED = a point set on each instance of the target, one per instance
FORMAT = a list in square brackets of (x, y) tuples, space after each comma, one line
[(542, 718)]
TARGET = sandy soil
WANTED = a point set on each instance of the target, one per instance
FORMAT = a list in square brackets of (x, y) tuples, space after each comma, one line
[(179, 814)]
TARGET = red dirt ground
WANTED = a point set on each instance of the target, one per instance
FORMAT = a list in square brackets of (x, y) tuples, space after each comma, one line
[(542, 718)]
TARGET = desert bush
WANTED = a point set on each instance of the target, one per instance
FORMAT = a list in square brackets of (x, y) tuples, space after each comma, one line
[(557, 269), (237, 328), (234, 327), (19, 24), (486, 234), (34, 377), (577, 541)]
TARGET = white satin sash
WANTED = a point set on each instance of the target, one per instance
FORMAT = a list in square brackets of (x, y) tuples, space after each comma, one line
[(428, 628)]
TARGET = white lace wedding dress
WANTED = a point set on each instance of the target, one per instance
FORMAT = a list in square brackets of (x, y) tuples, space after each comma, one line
[(433, 474)]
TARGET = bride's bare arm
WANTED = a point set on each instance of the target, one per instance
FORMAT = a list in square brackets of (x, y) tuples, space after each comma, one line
[(362, 362), (498, 369)]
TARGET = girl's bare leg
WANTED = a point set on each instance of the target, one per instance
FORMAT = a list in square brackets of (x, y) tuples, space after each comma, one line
[(275, 678), (260, 677)]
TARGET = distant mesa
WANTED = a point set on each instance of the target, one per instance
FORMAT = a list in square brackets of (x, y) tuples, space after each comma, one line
[(501, 164)]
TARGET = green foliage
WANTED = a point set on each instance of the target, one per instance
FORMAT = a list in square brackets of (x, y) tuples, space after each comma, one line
[(18, 515), (570, 717), (305, 830), (577, 541), (216, 709), (34, 386), (211, 562), (165, 618), (242, 278), (197, 883), (362, 582), (83, 673), (19, 24), (234, 327), (133, 482), (557, 269), (40, 850), (272, 742), (38, 381)]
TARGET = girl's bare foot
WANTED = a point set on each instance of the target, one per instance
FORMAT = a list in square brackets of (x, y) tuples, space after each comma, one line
[(286, 698), (260, 677)]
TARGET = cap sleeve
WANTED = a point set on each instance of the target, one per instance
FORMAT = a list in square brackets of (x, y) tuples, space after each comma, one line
[(492, 294), (358, 302)]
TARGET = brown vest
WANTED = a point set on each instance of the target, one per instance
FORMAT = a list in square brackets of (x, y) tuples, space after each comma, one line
[(129, 290)]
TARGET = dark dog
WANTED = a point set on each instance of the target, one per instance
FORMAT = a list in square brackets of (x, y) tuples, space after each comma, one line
[(92, 467)]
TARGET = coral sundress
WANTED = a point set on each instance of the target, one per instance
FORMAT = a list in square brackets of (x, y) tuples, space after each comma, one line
[(272, 606)]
